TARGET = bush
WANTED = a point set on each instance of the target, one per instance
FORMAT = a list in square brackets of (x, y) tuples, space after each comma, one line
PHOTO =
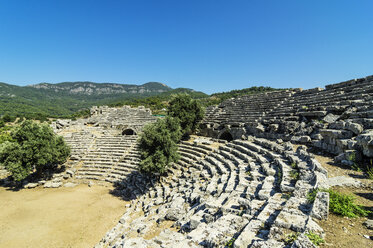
[(33, 148), (8, 118), (187, 110), (158, 145), (341, 204), (315, 238)]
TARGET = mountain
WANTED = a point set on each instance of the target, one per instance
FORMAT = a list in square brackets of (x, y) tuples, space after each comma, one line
[(93, 89), (65, 98)]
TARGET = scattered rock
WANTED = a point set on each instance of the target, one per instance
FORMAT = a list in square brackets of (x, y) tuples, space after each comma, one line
[(69, 185), (369, 224), (31, 185), (50, 184)]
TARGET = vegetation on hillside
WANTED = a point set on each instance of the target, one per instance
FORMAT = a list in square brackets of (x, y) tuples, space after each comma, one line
[(73, 100), (30, 148), (64, 99)]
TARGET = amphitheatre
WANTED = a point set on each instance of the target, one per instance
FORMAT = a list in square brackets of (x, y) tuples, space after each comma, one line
[(242, 181)]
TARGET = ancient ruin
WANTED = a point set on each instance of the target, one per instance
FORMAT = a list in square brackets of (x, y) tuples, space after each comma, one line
[(243, 184)]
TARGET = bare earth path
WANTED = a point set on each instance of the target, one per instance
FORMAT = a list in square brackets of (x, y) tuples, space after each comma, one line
[(63, 217)]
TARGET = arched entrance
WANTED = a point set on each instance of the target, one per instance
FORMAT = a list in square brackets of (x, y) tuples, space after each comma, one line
[(128, 131), (226, 135)]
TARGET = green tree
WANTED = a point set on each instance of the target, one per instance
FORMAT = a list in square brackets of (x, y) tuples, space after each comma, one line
[(8, 118), (158, 145), (188, 111), (34, 148)]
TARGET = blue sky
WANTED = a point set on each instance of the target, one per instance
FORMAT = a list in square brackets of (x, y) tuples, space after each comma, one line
[(207, 45)]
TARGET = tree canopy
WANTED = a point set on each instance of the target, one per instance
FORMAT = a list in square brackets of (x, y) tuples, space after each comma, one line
[(33, 148), (188, 111), (158, 145)]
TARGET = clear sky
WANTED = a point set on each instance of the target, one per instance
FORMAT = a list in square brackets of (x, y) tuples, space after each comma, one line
[(207, 45)]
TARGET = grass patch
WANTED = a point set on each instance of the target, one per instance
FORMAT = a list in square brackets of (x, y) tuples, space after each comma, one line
[(229, 244), (290, 238), (315, 239), (370, 173), (341, 204), (294, 174)]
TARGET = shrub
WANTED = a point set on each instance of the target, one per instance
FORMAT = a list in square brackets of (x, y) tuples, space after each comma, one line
[(315, 238), (8, 118), (33, 148), (158, 145), (341, 204), (189, 112)]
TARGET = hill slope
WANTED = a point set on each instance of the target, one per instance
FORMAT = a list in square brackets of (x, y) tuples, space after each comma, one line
[(68, 97)]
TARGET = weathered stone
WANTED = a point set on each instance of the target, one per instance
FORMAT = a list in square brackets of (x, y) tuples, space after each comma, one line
[(354, 127), (369, 224), (173, 214), (69, 185), (320, 209), (365, 140), (330, 118), (344, 181), (52, 184), (303, 241), (31, 185)]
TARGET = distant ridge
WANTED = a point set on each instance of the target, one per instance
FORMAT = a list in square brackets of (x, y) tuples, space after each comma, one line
[(65, 98)]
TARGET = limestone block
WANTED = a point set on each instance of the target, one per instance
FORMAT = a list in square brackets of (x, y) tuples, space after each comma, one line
[(320, 209), (330, 118), (354, 127), (337, 134), (365, 141)]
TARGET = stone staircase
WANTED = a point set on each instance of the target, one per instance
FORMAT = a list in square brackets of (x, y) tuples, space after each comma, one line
[(111, 158)]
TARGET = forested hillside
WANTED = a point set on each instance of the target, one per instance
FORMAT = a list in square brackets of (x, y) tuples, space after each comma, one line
[(73, 99), (63, 99)]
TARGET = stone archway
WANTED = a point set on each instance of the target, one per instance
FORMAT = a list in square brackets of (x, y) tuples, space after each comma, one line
[(226, 135), (128, 131)]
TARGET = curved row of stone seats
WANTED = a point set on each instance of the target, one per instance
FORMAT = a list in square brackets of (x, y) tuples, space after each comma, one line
[(246, 108), (310, 116), (110, 158), (191, 152), (79, 142), (253, 192), (353, 92)]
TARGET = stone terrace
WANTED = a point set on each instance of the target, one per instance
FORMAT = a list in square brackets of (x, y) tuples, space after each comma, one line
[(253, 192), (338, 119)]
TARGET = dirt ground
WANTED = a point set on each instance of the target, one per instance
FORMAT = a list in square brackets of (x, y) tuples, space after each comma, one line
[(341, 231), (63, 217)]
